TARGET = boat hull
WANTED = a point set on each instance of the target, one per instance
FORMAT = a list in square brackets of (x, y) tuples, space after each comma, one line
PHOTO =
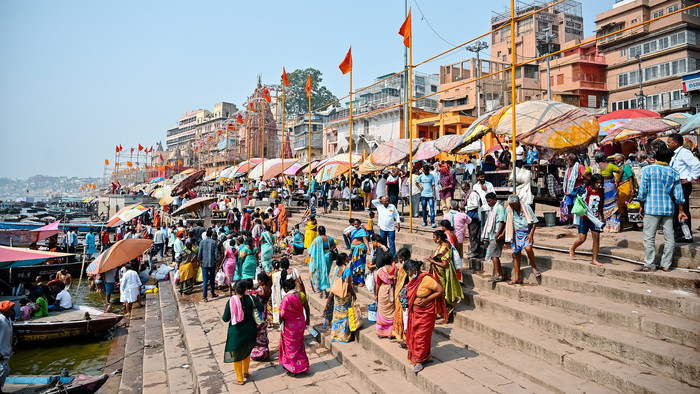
[(51, 328), (80, 384)]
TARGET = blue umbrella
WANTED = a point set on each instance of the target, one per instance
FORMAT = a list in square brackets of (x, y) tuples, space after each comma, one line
[(692, 125), (156, 180)]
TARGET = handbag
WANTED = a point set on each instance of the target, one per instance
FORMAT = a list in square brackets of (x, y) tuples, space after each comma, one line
[(370, 281), (257, 316), (580, 208), (564, 211), (339, 287), (355, 316)]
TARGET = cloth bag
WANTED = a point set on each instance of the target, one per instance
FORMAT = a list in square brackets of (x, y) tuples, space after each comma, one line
[(563, 212), (580, 208), (370, 281), (355, 316)]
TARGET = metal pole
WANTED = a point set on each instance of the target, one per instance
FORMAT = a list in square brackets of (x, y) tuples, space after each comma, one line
[(549, 81), (309, 151), (410, 127), (406, 125), (283, 150), (478, 85), (512, 82), (350, 176), (262, 151), (641, 91)]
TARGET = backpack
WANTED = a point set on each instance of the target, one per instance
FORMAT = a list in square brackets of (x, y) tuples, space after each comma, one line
[(367, 186)]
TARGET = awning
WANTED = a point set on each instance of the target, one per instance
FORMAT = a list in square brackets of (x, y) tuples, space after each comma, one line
[(21, 257), (194, 205)]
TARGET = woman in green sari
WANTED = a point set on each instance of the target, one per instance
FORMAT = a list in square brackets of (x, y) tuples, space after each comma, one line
[(442, 269), (242, 332), (267, 240)]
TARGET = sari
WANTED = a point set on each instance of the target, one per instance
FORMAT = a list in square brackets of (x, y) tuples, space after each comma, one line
[(448, 279), (43, 307), (610, 210), (230, 265), (241, 337), (421, 319), (261, 351), (320, 263), (266, 251), (358, 256), (311, 234), (342, 301), (399, 331), (625, 189), (276, 297), (385, 301), (249, 263), (292, 351), (283, 219)]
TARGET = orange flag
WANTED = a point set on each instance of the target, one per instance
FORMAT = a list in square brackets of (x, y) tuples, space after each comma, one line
[(266, 94), (309, 86), (140, 148), (116, 149), (120, 148), (128, 163), (171, 165), (106, 162), (179, 162), (219, 132), (251, 107), (230, 126), (285, 80), (346, 65), (405, 30), (239, 119)]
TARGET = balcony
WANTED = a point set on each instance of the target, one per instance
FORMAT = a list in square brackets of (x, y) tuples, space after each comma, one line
[(593, 85), (592, 59), (669, 105)]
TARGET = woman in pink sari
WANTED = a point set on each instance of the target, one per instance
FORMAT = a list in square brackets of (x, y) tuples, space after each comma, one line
[(384, 294), (229, 266), (292, 351)]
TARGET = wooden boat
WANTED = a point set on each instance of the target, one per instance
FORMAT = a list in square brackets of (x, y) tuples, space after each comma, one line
[(30, 272), (78, 384), (81, 321), (81, 227)]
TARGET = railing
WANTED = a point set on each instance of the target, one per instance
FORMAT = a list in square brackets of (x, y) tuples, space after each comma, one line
[(672, 104), (593, 85), (592, 58)]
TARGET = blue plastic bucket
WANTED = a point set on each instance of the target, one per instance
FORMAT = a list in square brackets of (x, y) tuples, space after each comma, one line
[(372, 312)]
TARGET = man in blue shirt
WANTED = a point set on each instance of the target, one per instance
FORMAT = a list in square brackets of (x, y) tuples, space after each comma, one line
[(426, 183), (659, 190)]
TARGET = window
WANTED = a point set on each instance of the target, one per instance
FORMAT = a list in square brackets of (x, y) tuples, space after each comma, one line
[(663, 43), (672, 8), (449, 103), (621, 80), (676, 95), (664, 70), (614, 106), (560, 79), (658, 14), (623, 52), (433, 88), (634, 77), (504, 58), (650, 73)]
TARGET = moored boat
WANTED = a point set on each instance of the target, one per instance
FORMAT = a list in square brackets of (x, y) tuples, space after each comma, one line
[(81, 321), (78, 384)]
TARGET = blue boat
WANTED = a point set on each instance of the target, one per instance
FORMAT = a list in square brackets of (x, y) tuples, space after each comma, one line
[(80, 227)]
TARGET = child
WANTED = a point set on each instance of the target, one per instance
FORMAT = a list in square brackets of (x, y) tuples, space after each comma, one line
[(594, 199), (26, 309), (370, 224)]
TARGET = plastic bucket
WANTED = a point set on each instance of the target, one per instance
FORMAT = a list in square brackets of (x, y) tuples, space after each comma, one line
[(550, 219), (372, 312)]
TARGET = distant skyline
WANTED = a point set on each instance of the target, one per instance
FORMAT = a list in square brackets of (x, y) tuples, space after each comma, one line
[(79, 77)]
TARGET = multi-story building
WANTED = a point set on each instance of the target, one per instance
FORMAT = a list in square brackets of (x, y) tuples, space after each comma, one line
[(298, 132), (193, 125), (536, 35), (458, 90), (646, 64)]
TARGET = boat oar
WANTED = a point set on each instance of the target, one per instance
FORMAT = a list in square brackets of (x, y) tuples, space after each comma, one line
[(82, 269)]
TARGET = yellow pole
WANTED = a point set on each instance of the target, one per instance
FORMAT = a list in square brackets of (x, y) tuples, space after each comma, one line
[(410, 127), (262, 152), (350, 176), (283, 146), (309, 141), (512, 83), (235, 145)]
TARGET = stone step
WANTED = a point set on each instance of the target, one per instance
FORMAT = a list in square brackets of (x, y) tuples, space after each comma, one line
[(177, 363), (672, 359), (205, 370), (457, 367), (154, 376), (132, 367), (588, 364), (640, 320)]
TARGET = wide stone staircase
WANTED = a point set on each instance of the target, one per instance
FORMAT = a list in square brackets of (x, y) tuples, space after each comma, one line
[(577, 328)]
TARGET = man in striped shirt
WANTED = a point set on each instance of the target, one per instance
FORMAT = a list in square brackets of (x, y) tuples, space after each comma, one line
[(659, 190)]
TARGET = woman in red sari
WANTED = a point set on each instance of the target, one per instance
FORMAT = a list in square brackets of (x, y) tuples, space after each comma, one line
[(423, 293), (292, 351)]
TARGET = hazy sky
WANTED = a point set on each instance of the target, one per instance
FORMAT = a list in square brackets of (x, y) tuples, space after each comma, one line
[(79, 77)]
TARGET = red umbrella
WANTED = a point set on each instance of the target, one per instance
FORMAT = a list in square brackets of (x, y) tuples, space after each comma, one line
[(629, 114), (120, 253)]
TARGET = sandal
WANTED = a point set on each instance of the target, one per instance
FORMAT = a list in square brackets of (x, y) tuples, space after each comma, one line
[(538, 274), (644, 268), (515, 283), (496, 278), (205, 300), (669, 269), (418, 368)]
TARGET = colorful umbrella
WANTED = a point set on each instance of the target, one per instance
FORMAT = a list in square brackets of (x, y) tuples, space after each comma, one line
[(426, 150), (294, 169), (548, 125), (194, 204), (479, 128), (640, 127), (159, 193), (120, 253), (628, 114), (692, 125), (332, 171), (368, 166), (188, 183), (679, 117), (166, 200), (474, 147), (117, 219), (314, 166), (242, 168), (343, 158), (272, 168), (20, 257), (156, 180), (392, 152), (448, 142), (497, 147), (226, 173)]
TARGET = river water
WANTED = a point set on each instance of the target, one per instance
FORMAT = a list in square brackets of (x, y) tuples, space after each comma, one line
[(84, 355)]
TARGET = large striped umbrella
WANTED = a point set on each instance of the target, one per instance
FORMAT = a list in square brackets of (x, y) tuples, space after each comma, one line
[(426, 150), (273, 168), (392, 152), (243, 167), (640, 127), (332, 171), (226, 173), (692, 125), (448, 142), (120, 253), (294, 169), (342, 158), (479, 128)]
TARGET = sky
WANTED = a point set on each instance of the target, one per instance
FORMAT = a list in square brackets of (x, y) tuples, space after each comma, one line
[(79, 77)]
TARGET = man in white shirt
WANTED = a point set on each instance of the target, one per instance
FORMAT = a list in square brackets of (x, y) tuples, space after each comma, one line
[(388, 221), (483, 187), (63, 299), (347, 195), (519, 155), (688, 167), (159, 241), (415, 192), (262, 188)]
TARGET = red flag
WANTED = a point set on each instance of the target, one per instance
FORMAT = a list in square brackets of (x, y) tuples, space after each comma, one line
[(132, 150), (161, 157), (405, 30), (106, 162), (151, 149), (239, 119), (179, 162), (219, 132), (266, 94), (116, 149), (309, 86), (251, 107), (346, 65), (120, 148), (140, 148), (230, 126), (285, 80)]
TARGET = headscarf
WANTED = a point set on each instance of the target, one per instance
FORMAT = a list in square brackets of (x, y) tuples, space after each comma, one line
[(6, 305)]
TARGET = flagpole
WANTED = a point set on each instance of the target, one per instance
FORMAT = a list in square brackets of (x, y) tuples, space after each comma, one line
[(262, 152), (512, 82), (247, 196), (350, 174), (283, 152), (309, 140), (410, 128)]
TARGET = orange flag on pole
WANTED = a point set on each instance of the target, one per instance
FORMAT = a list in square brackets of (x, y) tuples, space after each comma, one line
[(106, 162), (179, 162), (239, 119), (120, 148), (266, 94), (230, 126), (140, 147), (309, 86), (405, 30), (116, 150), (346, 65), (285, 80), (251, 107)]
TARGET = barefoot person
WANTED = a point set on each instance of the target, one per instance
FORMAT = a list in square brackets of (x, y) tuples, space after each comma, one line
[(241, 334), (520, 232), (593, 198), (494, 235)]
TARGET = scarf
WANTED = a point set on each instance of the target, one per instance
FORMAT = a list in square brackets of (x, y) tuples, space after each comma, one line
[(490, 223), (236, 308), (570, 178), (509, 221)]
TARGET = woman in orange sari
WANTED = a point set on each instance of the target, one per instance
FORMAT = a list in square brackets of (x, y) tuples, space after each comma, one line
[(423, 293)]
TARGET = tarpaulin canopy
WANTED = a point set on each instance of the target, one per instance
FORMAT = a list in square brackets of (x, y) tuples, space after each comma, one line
[(294, 169), (120, 253), (273, 168), (475, 131), (194, 204), (692, 125), (392, 152), (426, 150), (24, 237), (332, 171), (188, 183), (20, 257), (243, 168), (117, 220), (448, 142), (640, 127)]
